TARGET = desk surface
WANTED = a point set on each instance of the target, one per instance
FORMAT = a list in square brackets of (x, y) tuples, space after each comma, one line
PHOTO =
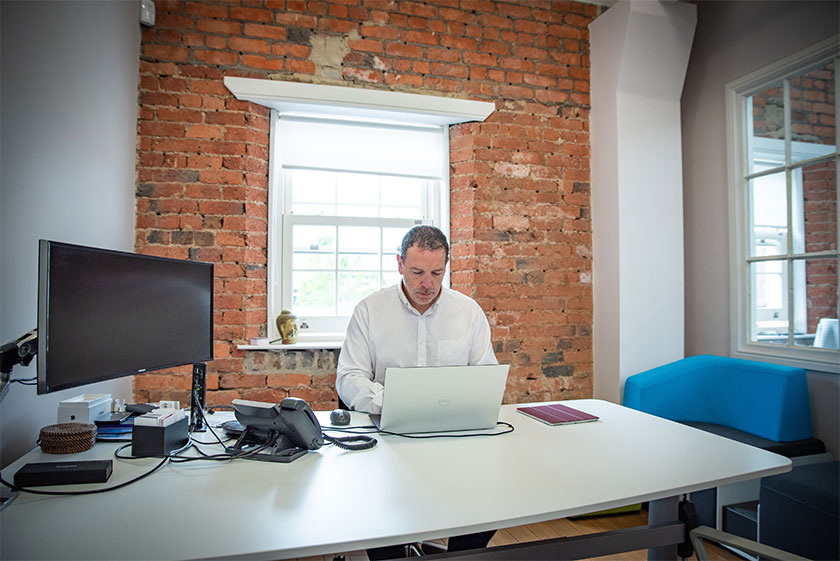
[(332, 500)]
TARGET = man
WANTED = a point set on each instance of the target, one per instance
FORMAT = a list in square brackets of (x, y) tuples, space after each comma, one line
[(417, 322)]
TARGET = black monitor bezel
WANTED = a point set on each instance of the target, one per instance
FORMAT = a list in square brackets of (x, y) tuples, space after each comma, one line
[(44, 249)]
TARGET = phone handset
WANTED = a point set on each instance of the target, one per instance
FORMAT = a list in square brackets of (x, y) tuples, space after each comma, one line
[(301, 425)]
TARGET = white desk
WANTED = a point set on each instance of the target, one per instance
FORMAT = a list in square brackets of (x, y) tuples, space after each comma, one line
[(402, 490)]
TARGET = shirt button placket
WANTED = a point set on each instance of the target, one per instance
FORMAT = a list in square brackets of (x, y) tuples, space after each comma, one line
[(422, 347)]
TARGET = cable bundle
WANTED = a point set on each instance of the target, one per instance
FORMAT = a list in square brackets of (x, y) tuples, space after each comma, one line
[(67, 438)]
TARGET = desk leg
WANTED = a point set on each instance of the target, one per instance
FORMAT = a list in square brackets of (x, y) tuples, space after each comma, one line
[(663, 511)]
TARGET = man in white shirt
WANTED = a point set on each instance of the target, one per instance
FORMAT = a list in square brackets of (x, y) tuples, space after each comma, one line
[(417, 322)]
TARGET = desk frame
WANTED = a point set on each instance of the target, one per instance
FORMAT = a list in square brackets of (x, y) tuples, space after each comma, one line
[(537, 473)]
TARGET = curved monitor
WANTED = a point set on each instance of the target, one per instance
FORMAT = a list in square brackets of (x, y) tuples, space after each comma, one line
[(104, 314)]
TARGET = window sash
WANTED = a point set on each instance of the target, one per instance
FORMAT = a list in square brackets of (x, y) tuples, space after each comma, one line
[(739, 138), (334, 325), (303, 155)]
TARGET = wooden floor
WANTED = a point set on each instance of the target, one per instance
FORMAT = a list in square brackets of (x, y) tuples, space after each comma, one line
[(566, 528)]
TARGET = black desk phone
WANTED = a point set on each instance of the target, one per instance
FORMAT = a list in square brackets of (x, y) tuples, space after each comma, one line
[(279, 432)]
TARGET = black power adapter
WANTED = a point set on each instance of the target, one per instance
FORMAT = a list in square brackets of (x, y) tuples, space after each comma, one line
[(64, 473)]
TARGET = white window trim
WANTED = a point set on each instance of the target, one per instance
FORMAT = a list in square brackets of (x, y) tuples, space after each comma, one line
[(295, 98), (823, 360)]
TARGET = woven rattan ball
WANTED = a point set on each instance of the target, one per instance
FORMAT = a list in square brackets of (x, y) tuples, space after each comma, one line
[(67, 438)]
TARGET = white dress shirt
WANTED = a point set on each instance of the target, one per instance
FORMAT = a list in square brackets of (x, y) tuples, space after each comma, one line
[(386, 330)]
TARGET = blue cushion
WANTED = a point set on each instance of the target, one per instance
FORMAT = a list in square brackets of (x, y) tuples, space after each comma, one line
[(766, 400)]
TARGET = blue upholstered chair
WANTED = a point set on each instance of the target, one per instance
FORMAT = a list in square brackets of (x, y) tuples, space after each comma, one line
[(766, 400), (764, 405)]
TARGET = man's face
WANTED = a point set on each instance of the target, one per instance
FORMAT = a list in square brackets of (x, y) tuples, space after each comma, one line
[(422, 275)]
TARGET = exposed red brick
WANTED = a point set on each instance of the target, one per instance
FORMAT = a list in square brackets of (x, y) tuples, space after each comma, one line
[(519, 200)]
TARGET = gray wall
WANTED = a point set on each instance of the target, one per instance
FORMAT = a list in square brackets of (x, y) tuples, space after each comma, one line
[(68, 119), (732, 40)]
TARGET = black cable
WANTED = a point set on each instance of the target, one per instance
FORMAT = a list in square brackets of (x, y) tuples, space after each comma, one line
[(351, 442), (448, 434), (353, 430), (204, 418), (213, 409), (24, 381), (91, 491)]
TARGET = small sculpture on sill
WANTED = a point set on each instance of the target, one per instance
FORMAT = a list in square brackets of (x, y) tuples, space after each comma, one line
[(287, 326)]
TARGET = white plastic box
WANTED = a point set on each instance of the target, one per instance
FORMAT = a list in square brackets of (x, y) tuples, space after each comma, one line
[(85, 408)]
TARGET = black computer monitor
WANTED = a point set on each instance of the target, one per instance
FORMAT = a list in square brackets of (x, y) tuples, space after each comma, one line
[(104, 314)]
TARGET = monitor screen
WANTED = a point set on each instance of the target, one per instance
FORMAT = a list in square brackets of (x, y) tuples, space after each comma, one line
[(103, 314)]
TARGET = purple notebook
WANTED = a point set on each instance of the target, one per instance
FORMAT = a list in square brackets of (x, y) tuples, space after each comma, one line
[(556, 414)]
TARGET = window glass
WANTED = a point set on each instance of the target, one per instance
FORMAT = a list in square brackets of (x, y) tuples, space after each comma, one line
[(313, 293), (314, 247), (816, 225), (350, 192), (785, 196), (812, 113), (816, 280), (767, 121), (770, 322), (359, 248), (768, 211)]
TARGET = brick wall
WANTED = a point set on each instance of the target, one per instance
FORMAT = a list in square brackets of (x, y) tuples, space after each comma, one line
[(520, 220)]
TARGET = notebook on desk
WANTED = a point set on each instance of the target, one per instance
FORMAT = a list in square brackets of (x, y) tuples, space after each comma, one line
[(441, 398)]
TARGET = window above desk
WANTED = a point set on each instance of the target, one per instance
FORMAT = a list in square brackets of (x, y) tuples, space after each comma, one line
[(351, 170)]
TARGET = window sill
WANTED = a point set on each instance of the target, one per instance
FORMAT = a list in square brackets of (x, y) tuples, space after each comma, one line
[(299, 346), (814, 361)]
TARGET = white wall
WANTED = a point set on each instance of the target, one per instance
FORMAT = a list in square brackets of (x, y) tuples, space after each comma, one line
[(639, 52), (68, 118), (732, 40)]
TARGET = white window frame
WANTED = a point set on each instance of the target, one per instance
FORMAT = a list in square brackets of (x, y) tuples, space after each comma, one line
[(339, 102), (281, 222), (739, 123)]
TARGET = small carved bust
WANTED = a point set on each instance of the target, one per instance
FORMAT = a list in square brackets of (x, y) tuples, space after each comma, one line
[(287, 326)]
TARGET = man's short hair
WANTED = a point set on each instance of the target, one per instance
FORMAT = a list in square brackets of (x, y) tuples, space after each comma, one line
[(424, 237)]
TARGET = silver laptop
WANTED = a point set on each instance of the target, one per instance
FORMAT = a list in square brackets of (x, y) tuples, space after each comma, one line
[(441, 398)]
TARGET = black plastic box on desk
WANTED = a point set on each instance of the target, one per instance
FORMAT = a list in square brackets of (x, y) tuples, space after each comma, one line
[(158, 441)]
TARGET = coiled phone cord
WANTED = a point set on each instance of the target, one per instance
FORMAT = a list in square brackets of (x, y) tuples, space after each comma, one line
[(359, 442)]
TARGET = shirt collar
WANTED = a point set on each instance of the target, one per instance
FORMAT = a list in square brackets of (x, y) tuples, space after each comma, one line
[(411, 309)]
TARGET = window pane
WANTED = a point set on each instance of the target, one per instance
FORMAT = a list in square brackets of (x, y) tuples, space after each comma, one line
[(313, 293), (768, 121), (402, 197), (358, 194), (815, 208), (313, 248), (360, 240), (390, 279), (768, 215), (354, 287), (358, 249), (812, 113), (391, 240), (313, 239), (313, 191), (307, 260), (815, 281), (769, 302)]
